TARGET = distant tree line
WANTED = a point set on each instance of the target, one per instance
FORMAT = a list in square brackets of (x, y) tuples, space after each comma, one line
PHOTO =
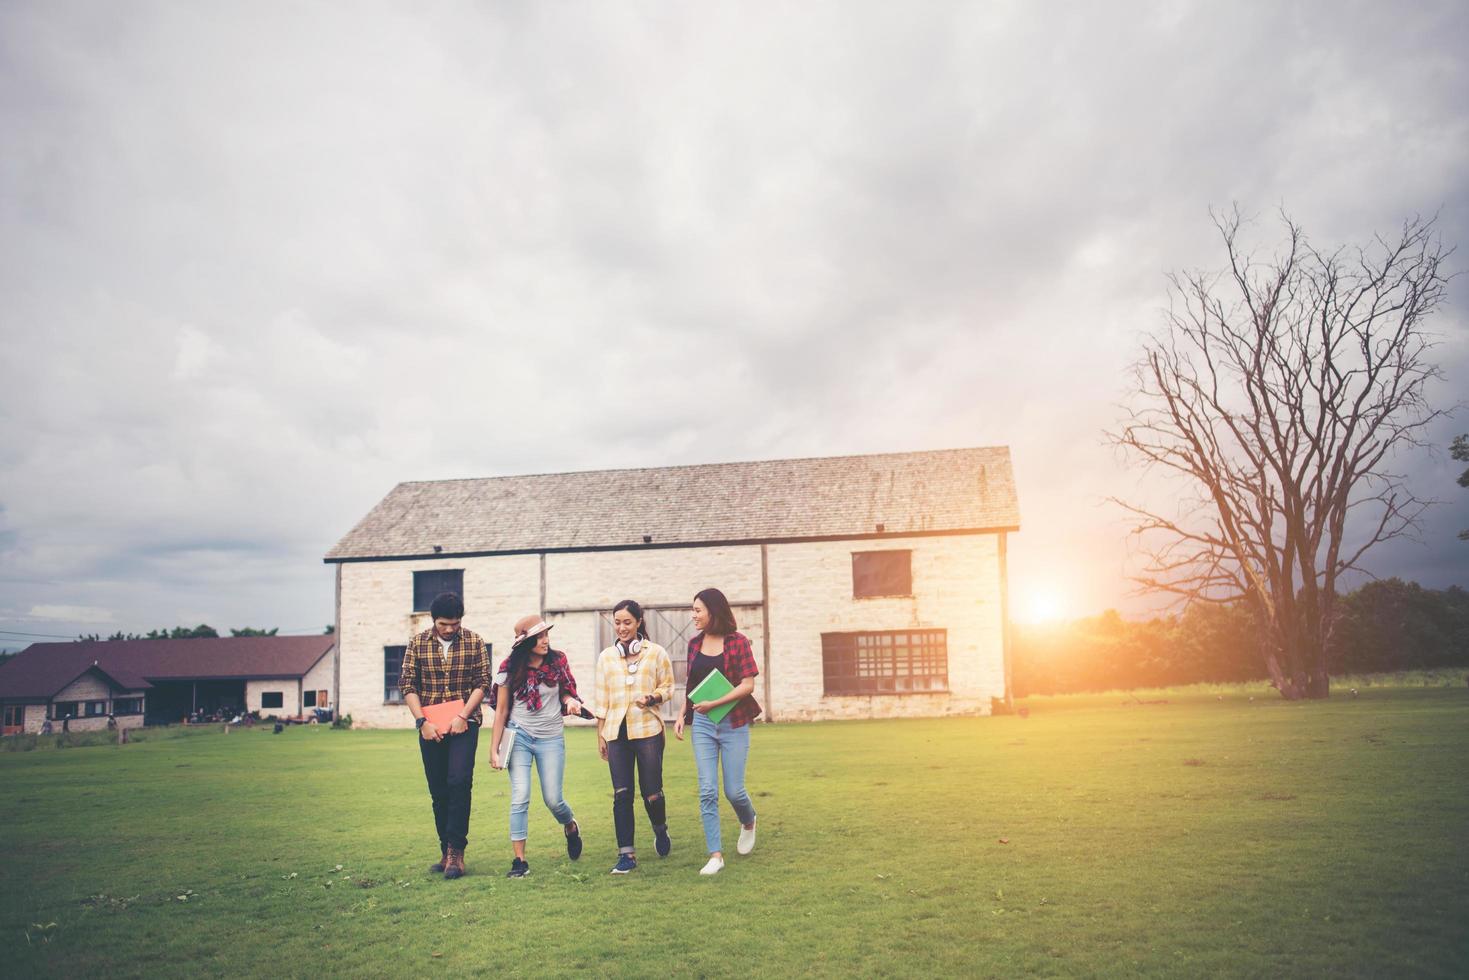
[(1386, 625), (202, 631)]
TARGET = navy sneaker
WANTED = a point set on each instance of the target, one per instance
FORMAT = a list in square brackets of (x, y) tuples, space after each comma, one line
[(573, 840), (661, 842), (625, 863), (518, 869)]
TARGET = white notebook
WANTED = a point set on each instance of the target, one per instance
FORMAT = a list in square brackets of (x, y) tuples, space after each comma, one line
[(507, 742)]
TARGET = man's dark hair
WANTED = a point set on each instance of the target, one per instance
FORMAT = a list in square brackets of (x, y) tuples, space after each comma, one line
[(447, 605), (721, 617)]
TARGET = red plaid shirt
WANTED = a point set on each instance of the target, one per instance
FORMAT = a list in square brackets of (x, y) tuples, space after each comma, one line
[(554, 671), (737, 664)]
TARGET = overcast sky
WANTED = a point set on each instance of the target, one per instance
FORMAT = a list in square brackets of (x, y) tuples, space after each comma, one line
[(261, 261)]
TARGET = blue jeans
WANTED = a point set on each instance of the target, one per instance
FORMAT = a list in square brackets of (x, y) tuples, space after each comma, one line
[(550, 758), (716, 745)]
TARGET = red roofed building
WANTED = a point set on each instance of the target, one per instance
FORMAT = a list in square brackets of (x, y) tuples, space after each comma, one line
[(138, 682)]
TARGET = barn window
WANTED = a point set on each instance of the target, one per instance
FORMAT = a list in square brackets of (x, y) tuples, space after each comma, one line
[(885, 662), (427, 585), (96, 709), (272, 699), (881, 573), (392, 667), (66, 709), (127, 706), (309, 699)]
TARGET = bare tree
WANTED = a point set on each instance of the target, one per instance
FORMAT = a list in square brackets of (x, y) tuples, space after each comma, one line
[(1459, 450), (1277, 393)]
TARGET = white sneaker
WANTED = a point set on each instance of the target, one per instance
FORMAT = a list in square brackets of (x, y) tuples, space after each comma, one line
[(714, 866), (747, 839)]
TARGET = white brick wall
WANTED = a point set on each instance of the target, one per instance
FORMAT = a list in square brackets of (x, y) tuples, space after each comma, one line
[(955, 584), (955, 587), (319, 678), (658, 577), (290, 704), (377, 604), (88, 687)]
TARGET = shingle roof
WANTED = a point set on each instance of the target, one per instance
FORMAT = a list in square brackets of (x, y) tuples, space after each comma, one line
[(42, 669), (946, 491)]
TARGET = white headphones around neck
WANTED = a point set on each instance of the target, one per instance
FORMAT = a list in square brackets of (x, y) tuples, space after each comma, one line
[(628, 649)]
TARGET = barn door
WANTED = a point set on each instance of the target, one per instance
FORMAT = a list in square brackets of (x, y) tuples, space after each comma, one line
[(671, 629)]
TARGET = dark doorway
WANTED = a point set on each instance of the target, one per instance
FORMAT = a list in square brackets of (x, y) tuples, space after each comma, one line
[(170, 702)]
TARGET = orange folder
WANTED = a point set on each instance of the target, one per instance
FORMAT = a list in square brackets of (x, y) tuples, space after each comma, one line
[(441, 715)]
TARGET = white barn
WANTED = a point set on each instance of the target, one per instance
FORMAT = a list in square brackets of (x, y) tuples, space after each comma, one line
[(870, 586)]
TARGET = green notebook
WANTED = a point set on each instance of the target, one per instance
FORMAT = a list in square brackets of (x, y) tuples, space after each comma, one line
[(713, 687)]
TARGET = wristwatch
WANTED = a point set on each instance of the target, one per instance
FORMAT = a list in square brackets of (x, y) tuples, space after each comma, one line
[(418, 722)]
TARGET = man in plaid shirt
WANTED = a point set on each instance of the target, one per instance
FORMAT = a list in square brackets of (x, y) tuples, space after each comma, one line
[(442, 664)]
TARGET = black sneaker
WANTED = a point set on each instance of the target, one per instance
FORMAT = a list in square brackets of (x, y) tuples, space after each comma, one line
[(518, 869), (661, 843), (625, 863), (573, 840)]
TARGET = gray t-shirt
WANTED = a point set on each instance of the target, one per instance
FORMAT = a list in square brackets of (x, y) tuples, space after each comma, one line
[(546, 723)]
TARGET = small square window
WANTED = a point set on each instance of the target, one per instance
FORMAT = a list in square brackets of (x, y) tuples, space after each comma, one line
[(310, 698), (882, 573), (427, 585)]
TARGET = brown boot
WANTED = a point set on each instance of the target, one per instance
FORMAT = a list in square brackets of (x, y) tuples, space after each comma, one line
[(454, 863), (438, 869)]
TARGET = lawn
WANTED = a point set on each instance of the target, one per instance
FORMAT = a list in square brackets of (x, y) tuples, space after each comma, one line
[(1208, 835)]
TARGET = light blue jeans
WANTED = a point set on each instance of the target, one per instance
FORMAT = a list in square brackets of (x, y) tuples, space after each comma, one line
[(550, 758), (729, 747)]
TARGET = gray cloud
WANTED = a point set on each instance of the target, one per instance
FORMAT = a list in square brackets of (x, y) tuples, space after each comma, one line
[(260, 262)]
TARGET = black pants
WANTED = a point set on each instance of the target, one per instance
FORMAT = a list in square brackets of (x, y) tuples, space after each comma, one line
[(449, 766), (647, 755)]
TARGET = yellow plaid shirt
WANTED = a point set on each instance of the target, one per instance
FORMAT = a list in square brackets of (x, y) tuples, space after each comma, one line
[(617, 690)]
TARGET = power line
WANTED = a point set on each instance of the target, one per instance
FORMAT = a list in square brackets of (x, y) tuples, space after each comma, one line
[(54, 636)]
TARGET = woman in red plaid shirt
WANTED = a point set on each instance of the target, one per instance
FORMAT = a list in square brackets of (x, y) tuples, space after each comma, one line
[(725, 745)]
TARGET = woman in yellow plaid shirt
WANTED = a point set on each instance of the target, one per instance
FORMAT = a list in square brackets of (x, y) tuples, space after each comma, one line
[(634, 677)]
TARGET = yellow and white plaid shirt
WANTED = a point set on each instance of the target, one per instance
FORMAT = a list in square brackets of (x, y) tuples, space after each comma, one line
[(618, 687)]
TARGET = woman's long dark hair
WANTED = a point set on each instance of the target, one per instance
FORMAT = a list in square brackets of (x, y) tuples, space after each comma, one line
[(636, 611), (519, 663), (721, 617)]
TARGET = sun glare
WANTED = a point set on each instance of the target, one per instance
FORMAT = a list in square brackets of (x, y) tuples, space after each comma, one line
[(1042, 606)]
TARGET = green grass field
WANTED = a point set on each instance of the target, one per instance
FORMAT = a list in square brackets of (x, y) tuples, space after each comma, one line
[(1195, 837)]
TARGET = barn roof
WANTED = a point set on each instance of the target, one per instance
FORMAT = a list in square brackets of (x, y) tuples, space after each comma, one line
[(836, 497), (42, 669)]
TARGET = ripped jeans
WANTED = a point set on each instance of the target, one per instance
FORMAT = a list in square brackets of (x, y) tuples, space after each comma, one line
[(647, 754)]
